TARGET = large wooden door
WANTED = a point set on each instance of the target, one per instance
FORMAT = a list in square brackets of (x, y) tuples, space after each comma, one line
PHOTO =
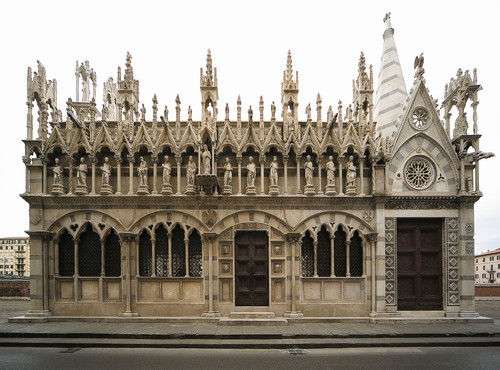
[(251, 268), (419, 261)]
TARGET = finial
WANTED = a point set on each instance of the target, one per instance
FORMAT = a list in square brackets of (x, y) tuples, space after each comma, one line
[(418, 64), (387, 20)]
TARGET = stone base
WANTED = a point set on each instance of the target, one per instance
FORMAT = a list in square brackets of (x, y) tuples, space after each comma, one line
[(251, 190), (330, 190), (190, 190), (293, 314), (57, 189), (38, 313), (106, 189), (210, 314), (166, 189), (81, 190), (227, 190), (129, 314), (309, 190), (274, 190), (143, 190), (350, 190)]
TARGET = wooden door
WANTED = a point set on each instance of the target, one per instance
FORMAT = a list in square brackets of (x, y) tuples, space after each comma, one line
[(251, 268), (419, 263)]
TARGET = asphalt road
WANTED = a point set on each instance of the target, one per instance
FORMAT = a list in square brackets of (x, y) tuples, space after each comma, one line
[(357, 358)]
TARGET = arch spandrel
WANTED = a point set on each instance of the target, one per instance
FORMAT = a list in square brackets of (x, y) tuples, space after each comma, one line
[(75, 222), (181, 218), (349, 222), (252, 217)]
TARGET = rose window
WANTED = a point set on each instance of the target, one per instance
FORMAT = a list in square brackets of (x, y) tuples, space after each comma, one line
[(419, 173), (420, 118)]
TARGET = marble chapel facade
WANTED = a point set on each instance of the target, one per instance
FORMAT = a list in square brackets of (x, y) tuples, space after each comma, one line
[(364, 209)]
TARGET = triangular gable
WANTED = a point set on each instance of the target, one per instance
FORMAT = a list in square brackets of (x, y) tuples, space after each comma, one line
[(250, 138), (56, 139), (80, 140), (273, 139), (189, 138), (351, 138), (103, 138), (166, 138), (292, 142), (330, 140), (420, 133), (227, 138), (309, 139), (123, 143), (142, 138)]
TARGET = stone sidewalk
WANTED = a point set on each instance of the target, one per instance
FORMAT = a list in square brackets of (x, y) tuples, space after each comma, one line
[(209, 334)]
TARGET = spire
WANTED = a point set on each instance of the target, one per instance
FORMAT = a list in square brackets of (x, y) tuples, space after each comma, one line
[(391, 90), (288, 82)]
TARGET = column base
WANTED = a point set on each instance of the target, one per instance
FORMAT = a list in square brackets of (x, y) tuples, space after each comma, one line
[(129, 314), (293, 314), (210, 314), (38, 313)]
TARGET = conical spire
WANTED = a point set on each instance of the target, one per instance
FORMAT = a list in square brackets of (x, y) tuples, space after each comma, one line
[(391, 90)]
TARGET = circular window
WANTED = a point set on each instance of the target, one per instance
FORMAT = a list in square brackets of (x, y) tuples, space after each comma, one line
[(420, 118), (419, 173)]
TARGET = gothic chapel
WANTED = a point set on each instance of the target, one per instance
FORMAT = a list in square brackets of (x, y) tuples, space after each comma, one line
[(363, 211)]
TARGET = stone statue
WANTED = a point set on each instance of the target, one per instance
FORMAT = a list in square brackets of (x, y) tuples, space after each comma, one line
[(351, 172), (58, 173), (251, 172), (142, 172), (228, 173), (309, 168), (330, 171), (81, 173), (190, 171), (206, 158), (106, 171), (273, 173), (167, 170)]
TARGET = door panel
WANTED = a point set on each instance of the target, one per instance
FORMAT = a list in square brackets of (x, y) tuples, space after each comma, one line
[(251, 268), (419, 261)]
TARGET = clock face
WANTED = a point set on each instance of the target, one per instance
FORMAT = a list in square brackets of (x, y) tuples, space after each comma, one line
[(420, 118)]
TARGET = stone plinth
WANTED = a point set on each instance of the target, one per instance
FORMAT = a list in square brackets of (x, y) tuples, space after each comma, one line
[(81, 190), (57, 189), (330, 190), (227, 190), (309, 190), (251, 190), (190, 190), (143, 190), (274, 190), (206, 184), (106, 189), (166, 189), (350, 190)]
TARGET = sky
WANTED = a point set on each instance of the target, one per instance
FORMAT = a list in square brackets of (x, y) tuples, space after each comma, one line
[(249, 42)]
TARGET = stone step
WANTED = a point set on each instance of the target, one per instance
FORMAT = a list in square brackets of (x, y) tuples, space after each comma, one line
[(252, 315), (277, 321)]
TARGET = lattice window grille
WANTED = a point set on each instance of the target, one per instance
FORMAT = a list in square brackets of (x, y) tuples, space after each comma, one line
[(112, 255), (356, 256), (161, 251), (324, 253), (195, 254), (178, 252), (307, 256), (89, 253), (66, 254), (340, 259), (145, 255)]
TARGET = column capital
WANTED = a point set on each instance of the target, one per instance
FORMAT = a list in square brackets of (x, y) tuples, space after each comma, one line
[(41, 234), (292, 237)]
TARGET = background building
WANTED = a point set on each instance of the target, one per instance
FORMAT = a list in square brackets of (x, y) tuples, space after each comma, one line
[(364, 209), (487, 270), (15, 256)]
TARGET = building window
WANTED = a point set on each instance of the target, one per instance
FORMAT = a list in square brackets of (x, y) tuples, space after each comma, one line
[(492, 258), (195, 254), (307, 255), (89, 253), (483, 276), (324, 253), (145, 254), (178, 252), (161, 251), (477, 267), (66, 254), (484, 267), (340, 259), (112, 255), (356, 256)]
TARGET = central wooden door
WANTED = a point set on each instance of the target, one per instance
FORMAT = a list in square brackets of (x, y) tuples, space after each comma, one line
[(251, 268), (419, 261)]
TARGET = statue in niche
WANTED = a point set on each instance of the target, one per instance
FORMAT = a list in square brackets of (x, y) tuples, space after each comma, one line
[(190, 171), (228, 173), (309, 169), (142, 172), (58, 173), (273, 173), (206, 158), (106, 171), (167, 170), (81, 173), (251, 172), (351, 172), (330, 172)]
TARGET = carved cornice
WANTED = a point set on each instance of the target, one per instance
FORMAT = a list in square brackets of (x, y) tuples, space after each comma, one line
[(421, 203)]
